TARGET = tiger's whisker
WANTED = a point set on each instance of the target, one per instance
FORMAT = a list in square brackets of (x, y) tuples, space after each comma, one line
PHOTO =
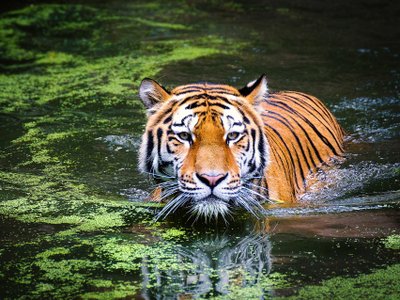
[(258, 194), (256, 186), (153, 174)]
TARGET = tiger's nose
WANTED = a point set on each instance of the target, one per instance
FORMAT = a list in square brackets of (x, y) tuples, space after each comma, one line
[(211, 180)]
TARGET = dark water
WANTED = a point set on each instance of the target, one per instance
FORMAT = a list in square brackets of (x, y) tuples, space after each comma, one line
[(72, 219)]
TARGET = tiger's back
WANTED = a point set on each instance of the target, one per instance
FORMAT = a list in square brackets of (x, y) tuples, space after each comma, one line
[(303, 135)]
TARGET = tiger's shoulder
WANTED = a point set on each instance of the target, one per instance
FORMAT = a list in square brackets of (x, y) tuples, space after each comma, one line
[(303, 135)]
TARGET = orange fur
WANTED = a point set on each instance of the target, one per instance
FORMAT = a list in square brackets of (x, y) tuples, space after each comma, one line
[(301, 134)]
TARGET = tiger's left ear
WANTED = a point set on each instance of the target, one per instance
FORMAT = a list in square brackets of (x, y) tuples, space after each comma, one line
[(152, 93), (256, 91)]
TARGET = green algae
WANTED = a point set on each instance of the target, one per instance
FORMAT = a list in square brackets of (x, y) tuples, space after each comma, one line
[(88, 260), (70, 76), (381, 284), (66, 88), (119, 290), (392, 242), (173, 233), (69, 81), (53, 251), (128, 256), (265, 282)]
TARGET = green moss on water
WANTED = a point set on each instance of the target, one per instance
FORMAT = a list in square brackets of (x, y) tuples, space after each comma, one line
[(53, 202), (53, 251), (266, 282), (120, 290), (75, 263), (392, 242), (381, 284), (65, 270), (128, 256), (56, 58), (63, 89), (69, 80), (173, 233)]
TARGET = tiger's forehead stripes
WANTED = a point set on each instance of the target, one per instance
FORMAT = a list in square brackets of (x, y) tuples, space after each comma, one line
[(201, 109), (228, 117), (205, 88)]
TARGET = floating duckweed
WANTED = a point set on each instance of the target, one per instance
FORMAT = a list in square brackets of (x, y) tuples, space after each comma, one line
[(102, 221), (381, 284), (66, 270), (172, 233), (237, 289), (53, 251), (70, 81), (55, 58), (54, 202), (44, 288), (392, 242), (129, 256), (120, 290)]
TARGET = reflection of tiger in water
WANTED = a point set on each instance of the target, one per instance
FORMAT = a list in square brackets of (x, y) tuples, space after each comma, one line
[(221, 147)]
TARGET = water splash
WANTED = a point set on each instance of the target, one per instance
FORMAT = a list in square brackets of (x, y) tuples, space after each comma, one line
[(121, 142), (370, 120), (348, 181)]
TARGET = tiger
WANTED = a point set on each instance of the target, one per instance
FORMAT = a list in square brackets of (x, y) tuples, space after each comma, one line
[(214, 147)]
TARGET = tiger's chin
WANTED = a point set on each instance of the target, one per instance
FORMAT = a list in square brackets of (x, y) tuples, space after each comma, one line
[(209, 208)]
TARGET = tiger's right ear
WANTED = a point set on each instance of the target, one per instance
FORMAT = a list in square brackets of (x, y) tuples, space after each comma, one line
[(256, 91), (152, 93)]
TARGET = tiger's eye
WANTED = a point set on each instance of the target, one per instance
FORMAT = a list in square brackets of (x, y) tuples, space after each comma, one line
[(184, 136), (233, 135)]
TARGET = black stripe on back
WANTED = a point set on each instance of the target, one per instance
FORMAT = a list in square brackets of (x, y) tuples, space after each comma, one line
[(285, 122), (283, 161), (290, 155), (326, 126), (320, 105), (287, 108), (310, 141)]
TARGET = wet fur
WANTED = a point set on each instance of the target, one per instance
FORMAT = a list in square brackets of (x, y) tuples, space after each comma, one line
[(284, 137)]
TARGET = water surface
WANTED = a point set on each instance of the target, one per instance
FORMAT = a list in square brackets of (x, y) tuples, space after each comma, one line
[(72, 218)]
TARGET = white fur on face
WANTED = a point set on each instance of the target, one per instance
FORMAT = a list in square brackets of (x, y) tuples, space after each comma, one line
[(210, 208)]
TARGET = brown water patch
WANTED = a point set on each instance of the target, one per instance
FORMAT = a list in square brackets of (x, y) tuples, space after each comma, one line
[(366, 224)]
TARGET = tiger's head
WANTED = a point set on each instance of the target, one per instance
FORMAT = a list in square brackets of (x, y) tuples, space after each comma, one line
[(208, 141)]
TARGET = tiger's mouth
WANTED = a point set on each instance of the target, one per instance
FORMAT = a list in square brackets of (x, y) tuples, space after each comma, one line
[(211, 206)]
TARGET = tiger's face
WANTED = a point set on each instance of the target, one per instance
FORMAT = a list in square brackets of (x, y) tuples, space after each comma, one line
[(208, 141)]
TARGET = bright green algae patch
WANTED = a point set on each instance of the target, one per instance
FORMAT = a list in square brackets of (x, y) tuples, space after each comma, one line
[(85, 262), (381, 284), (69, 76), (392, 242), (255, 291)]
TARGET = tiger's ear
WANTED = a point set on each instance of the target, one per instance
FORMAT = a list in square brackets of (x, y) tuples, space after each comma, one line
[(152, 93), (256, 91)]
